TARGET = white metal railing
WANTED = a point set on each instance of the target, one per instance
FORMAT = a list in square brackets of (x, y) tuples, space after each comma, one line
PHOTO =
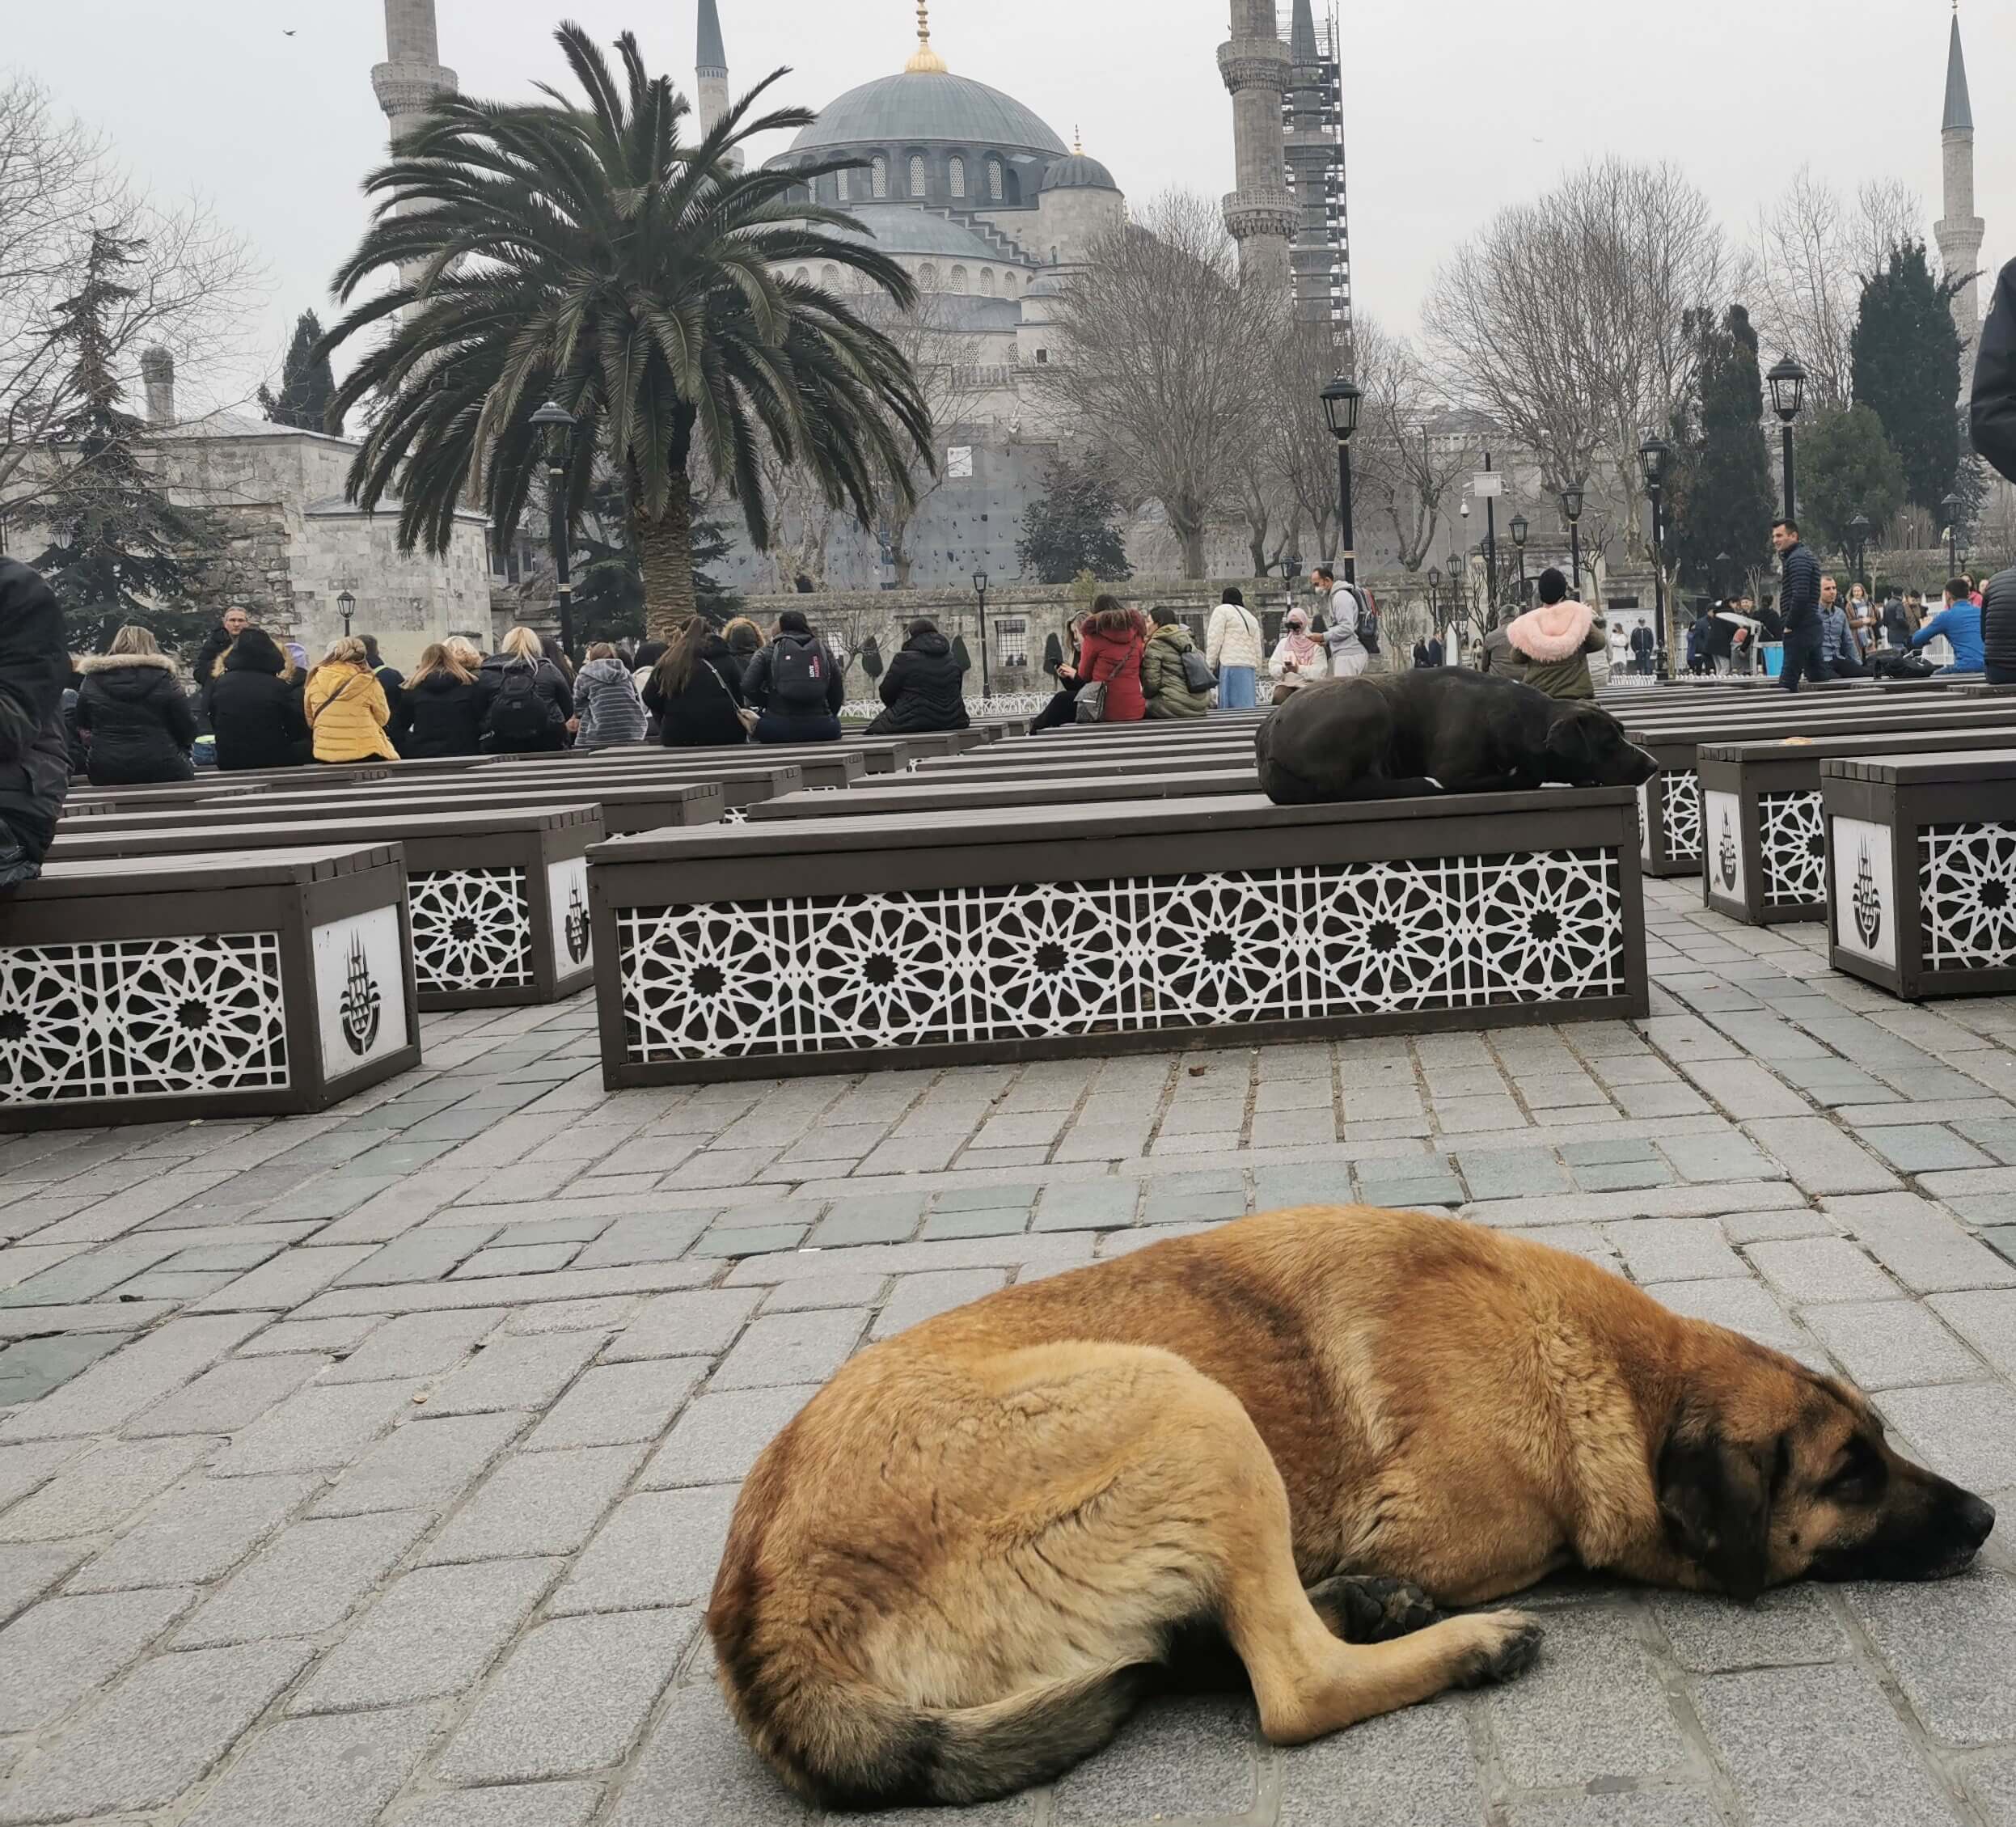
[(1013, 703)]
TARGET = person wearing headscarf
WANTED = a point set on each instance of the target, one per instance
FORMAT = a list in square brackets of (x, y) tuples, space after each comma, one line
[(1298, 658)]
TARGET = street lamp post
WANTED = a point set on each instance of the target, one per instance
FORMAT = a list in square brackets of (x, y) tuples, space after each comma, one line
[(346, 608), (1435, 600), (1953, 507), (1788, 392), (1653, 454), (555, 424), (986, 677), (1520, 528), (1342, 400), (1571, 496), (1858, 531)]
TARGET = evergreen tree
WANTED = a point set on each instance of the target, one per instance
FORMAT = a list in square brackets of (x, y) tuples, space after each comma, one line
[(1846, 467), (1069, 529), (120, 548), (307, 384), (1723, 495), (1907, 370)]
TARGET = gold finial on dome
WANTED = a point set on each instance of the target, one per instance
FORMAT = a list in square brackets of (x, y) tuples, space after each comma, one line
[(925, 60), (1078, 142)]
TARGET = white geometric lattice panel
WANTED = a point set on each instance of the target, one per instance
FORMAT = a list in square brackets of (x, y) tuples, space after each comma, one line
[(1966, 893), (1794, 837), (471, 930), (945, 965), (1683, 815), (141, 1018)]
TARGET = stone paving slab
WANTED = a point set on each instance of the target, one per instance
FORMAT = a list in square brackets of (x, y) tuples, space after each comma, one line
[(373, 1467)]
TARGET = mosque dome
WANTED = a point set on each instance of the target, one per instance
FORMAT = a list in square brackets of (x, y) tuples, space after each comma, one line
[(922, 106), (1079, 172)]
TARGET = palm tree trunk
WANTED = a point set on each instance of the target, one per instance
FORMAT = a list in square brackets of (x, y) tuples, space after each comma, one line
[(665, 554)]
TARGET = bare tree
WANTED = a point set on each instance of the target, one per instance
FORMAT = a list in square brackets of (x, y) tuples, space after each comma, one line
[(1563, 319), (1399, 471), (801, 521), (1162, 355), (1815, 252), (946, 361), (192, 284)]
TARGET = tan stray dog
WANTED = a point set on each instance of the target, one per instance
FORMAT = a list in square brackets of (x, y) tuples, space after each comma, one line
[(952, 1575)]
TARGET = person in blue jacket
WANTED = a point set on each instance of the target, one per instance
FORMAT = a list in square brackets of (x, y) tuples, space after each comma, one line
[(1960, 622)]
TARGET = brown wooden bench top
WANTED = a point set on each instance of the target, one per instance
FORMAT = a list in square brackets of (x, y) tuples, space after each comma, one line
[(1960, 766), (157, 837), (202, 870)]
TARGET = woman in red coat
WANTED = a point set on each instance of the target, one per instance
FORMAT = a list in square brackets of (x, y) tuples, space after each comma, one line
[(1115, 639)]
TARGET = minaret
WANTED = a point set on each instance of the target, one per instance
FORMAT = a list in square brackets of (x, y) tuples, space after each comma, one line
[(411, 75), (1959, 230), (1260, 213), (710, 65), (1309, 152)]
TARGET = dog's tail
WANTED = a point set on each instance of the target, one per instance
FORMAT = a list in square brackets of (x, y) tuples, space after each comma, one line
[(854, 1747)]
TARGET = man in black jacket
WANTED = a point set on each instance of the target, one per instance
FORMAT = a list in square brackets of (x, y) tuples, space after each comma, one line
[(1799, 599), (1994, 410), (35, 666)]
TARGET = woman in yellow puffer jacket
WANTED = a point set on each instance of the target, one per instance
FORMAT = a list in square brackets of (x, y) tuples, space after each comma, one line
[(346, 707)]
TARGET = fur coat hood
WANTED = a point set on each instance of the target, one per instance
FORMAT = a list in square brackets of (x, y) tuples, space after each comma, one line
[(1555, 630), (114, 663)]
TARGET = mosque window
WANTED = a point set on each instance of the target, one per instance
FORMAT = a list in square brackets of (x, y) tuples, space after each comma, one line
[(878, 176), (959, 279), (994, 179), (803, 276), (840, 184), (830, 278), (927, 276), (916, 174), (957, 171), (1043, 356), (1015, 187), (987, 282)]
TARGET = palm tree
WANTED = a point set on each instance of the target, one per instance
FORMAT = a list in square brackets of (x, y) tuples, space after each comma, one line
[(587, 255)]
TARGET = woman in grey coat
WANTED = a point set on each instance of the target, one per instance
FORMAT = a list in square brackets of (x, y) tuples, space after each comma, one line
[(606, 702)]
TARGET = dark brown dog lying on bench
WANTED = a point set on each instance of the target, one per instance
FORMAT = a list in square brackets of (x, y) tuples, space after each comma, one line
[(1402, 735)]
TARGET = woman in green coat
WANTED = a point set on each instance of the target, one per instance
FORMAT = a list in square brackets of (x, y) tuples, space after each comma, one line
[(1164, 684)]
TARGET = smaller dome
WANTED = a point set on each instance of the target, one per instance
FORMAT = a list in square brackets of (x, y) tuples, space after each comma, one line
[(1078, 171), (1045, 287)]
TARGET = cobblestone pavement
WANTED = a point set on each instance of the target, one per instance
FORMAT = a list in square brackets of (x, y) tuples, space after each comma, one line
[(373, 1467)]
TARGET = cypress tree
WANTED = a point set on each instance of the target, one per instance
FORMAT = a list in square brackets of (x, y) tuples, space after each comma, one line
[(1907, 370), (1724, 496), (1069, 529), (120, 548), (307, 384)]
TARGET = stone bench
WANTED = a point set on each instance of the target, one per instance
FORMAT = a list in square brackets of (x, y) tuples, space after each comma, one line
[(264, 983), (497, 898), (1764, 857), (928, 793), (836, 944), (1670, 802), (1921, 871)]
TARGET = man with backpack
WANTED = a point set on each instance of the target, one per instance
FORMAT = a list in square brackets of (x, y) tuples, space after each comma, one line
[(1351, 629), (795, 685)]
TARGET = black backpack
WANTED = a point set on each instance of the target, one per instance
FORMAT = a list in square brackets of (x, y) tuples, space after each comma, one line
[(798, 674), (519, 717)]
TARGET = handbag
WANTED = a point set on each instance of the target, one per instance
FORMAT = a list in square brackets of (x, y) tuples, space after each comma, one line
[(743, 714), (1090, 705), (1197, 671)]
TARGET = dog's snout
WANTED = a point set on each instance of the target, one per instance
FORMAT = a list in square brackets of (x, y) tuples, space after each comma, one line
[(1976, 1519)]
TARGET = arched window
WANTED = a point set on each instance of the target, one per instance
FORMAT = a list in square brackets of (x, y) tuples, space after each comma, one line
[(879, 175), (987, 282), (1015, 187), (959, 279), (803, 276), (830, 278), (957, 171), (927, 277), (916, 174), (1008, 284), (839, 184), (994, 179)]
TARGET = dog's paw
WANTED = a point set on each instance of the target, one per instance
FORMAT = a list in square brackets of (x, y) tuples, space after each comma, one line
[(1504, 1644), (1370, 1608)]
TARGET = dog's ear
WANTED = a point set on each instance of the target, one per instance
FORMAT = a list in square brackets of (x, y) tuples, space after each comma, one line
[(1715, 1499), (1569, 739)]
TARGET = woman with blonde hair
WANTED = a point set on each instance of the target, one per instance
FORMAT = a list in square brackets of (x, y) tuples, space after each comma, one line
[(528, 707), (444, 706), (346, 707), (135, 714), (745, 640)]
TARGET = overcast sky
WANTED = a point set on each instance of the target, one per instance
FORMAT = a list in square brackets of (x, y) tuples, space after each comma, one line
[(1453, 107)]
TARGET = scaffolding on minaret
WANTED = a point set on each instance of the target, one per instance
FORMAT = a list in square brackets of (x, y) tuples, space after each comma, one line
[(1313, 121)]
